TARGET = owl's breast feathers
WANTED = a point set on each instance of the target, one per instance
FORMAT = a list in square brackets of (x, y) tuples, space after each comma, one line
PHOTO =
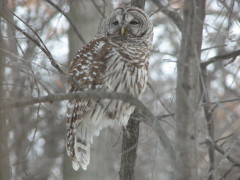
[(91, 64), (106, 66)]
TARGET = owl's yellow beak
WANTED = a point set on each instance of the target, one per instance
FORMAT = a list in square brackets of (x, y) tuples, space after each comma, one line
[(122, 30)]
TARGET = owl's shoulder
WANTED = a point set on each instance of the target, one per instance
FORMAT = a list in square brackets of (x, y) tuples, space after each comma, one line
[(92, 51), (89, 65), (94, 46)]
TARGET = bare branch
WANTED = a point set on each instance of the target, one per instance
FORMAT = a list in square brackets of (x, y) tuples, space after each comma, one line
[(221, 151), (174, 16), (227, 172), (70, 96), (150, 120), (221, 101), (69, 20), (98, 9), (42, 43), (230, 55), (212, 47), (223, 138), (209, 116), (46, 51)]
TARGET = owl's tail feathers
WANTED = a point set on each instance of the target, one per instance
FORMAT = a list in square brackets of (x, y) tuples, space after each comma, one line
[(79, 149), (82, 154)]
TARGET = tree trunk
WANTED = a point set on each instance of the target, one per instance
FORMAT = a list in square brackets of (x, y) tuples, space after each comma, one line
[(187, 91), (129, 148), (130, 135), (4, 161)]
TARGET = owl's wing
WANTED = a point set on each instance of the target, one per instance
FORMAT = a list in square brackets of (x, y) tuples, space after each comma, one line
[(86, 72)]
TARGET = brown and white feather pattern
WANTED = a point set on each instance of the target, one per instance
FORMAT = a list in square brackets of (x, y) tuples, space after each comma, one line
[(105, 64)]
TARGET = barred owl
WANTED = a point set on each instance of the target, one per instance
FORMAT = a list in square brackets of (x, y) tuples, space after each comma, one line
[(116, 60)]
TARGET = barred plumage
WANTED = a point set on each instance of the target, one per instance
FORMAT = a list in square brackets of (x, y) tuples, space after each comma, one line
[(116, 60)]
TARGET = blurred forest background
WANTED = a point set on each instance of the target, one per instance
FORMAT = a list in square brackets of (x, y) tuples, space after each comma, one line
[(32, 138)]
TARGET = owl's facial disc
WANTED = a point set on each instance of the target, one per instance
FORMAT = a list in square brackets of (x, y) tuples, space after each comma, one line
[(127, 24)]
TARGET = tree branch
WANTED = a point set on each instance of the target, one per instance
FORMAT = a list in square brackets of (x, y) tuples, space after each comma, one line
[(221, 101), (150, 120), (80, 95), (40, 45), (214, 59), (208, 112), (174, 16), (69, 20), (221, 151), (223, 177), (98, 9)]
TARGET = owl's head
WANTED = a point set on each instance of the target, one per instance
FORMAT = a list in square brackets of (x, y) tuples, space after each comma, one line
[(126, 23)]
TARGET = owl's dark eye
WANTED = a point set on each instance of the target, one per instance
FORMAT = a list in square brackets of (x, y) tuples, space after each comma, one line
[(133, 22), (115, 22)]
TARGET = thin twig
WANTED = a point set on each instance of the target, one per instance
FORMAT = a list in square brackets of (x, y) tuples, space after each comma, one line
[(221, 151), (34, 32), (223, 138), (218, 46), (46, 52), (221, 101), (69, 20), (159, 99)]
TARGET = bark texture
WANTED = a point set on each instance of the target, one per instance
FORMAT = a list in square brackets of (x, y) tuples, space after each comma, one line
[(4, 161), (187, 92), (129, 148)]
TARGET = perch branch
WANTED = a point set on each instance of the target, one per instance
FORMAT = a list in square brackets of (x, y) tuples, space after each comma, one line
[(150, 120)]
